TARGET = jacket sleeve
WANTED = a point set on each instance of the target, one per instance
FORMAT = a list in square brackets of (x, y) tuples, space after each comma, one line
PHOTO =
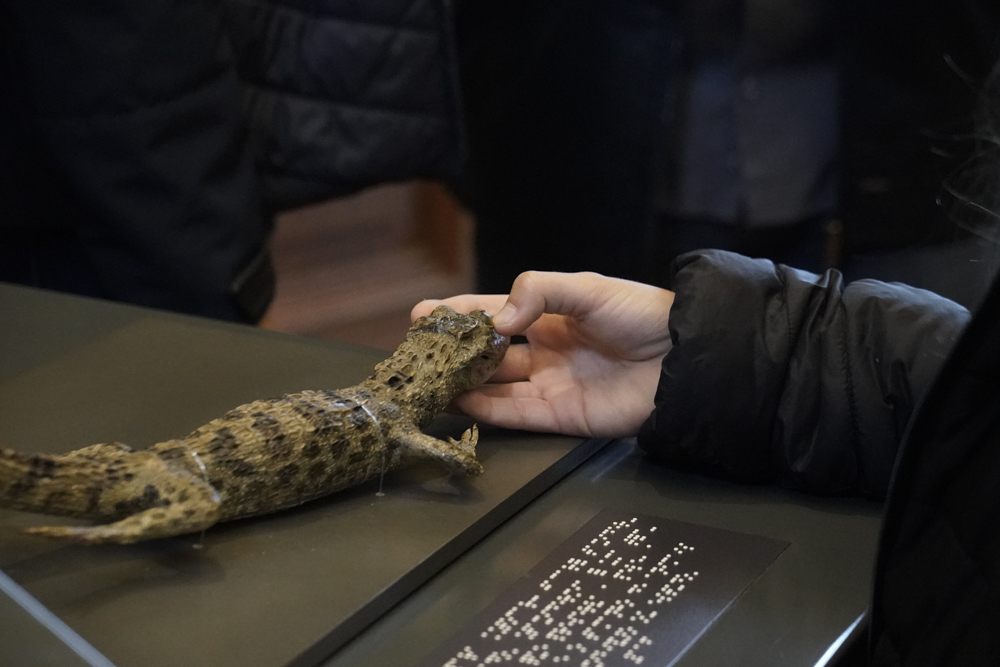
[(345, 95), (778, 375)]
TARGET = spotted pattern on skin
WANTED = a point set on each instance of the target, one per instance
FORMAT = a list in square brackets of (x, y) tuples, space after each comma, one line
[(269, 454)]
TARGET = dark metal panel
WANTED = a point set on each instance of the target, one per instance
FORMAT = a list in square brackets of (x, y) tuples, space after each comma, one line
[(32, 636), (800, 608)]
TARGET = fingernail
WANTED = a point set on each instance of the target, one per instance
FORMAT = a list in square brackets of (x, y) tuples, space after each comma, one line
[(505, 316)]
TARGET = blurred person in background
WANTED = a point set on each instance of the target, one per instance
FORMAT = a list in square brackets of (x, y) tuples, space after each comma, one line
[(814, 132), (145, 147)]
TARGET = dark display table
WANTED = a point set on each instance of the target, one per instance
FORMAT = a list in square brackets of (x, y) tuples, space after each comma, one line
[(384, 579)]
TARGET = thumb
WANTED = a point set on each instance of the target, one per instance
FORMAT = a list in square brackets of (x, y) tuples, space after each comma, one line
[(506, 321)]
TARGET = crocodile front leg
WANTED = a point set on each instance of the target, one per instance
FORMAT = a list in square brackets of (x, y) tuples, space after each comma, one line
[(458, 456)]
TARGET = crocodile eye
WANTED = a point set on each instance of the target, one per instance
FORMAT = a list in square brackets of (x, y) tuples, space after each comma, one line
[(460, 328)]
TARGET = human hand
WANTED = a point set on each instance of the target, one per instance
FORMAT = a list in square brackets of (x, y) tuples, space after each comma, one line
[(592, 362)]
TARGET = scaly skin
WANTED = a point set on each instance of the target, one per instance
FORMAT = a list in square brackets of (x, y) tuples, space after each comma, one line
[(271, 454)]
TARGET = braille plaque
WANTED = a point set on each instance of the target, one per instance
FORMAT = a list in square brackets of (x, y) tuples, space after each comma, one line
[(624, 590)]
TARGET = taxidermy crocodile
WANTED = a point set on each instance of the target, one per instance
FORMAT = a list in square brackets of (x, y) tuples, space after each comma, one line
[(270, 454)]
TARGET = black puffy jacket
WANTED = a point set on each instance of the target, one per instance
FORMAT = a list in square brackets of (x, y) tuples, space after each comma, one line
[(778, 375), (155, 139), (343, 95)]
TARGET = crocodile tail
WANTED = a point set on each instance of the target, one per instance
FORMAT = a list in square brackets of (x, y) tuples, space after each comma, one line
[(48, 483)]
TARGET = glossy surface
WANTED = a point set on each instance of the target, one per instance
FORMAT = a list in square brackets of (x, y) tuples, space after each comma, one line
[(272, 590), (283, 588), (791, 615), (31, 635)]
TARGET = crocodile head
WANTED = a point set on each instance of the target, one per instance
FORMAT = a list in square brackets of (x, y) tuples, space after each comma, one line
[(464, 348), (444, 354)]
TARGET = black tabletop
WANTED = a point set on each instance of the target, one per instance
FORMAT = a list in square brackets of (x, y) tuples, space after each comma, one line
[(354, 579), (285, 588)]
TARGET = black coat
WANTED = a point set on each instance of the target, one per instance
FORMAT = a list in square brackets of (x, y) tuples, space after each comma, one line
[(343, 95), (144, 146), (778, 375)]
